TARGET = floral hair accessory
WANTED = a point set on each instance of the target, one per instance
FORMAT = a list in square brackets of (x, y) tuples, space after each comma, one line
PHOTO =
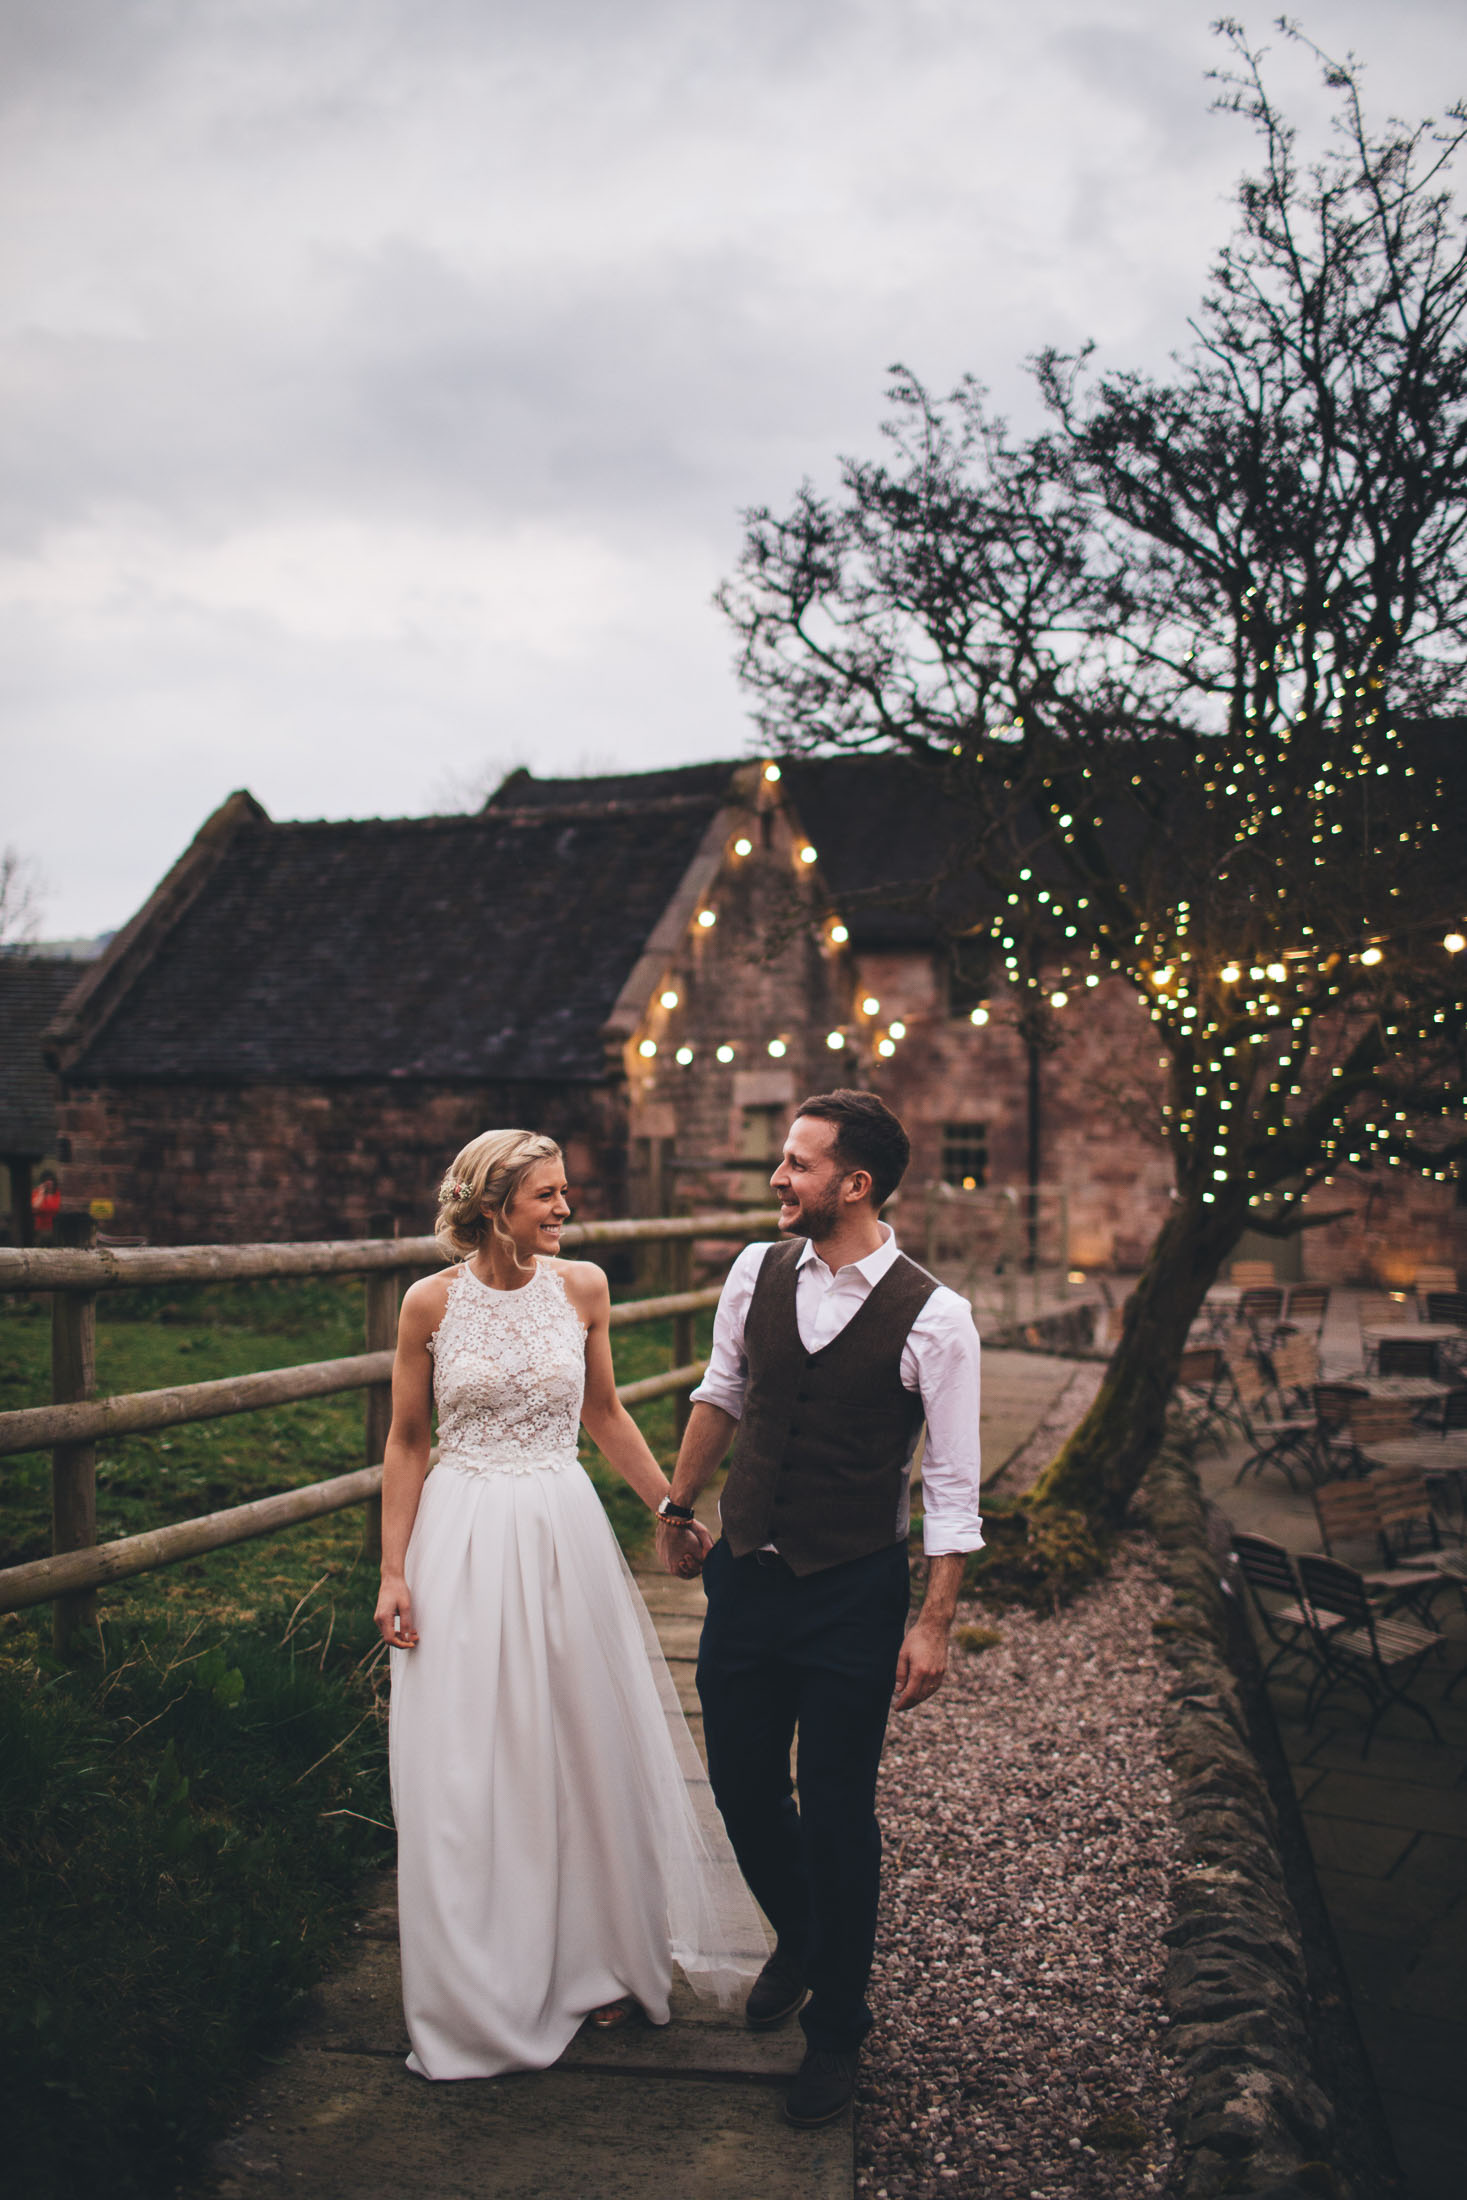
[(451, 1188)]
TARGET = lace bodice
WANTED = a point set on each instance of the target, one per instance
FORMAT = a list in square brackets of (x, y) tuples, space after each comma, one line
[(509, 1369)]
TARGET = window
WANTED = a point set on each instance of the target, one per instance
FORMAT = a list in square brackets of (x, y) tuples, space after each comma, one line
[(761, 1134), (965, 1155)]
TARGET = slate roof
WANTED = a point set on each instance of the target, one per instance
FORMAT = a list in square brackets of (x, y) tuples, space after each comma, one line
[(681, 782), (888, 836), (884, 833), (32, 989), (476, 948)]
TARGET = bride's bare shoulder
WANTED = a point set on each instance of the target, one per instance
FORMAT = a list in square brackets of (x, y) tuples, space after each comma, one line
[(423, 1302), (585, 1284)]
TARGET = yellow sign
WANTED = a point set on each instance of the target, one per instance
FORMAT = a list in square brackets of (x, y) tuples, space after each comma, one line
[(102, 1210)]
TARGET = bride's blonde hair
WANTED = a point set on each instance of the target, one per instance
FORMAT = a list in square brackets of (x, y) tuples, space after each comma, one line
[(479, 1186)]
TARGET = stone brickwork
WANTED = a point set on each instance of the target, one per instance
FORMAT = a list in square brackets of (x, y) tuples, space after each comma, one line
[(194, 1164), (764, 975), (1099, 1098)]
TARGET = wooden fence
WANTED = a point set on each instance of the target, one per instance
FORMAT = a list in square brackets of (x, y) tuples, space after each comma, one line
[(76, 1421)]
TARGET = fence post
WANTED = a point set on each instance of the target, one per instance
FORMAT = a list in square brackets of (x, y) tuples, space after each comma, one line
[(383, 1287), (73, 1466), (680, 1258)]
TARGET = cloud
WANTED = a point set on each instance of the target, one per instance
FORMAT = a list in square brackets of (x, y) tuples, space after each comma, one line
[(380, 380)]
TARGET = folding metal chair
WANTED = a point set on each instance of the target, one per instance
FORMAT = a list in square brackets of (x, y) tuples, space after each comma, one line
[(1406, 1356), (1349, 1513), (1447, 1306), (1362, 1648), (1273, 1591), (1262, 1310), (1370, 1421), (1279, 1439), (1206, 1391), (1293, 1362), (1307, 1307), (1410, 1523)]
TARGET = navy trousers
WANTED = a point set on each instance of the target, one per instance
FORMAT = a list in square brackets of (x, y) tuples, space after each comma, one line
[(817, 1655)]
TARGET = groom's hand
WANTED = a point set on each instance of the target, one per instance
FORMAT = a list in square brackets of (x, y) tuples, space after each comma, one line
[(921, 1664), (682, 1547)]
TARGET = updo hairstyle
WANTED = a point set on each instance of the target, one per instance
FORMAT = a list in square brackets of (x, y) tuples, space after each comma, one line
[(485, 1176)]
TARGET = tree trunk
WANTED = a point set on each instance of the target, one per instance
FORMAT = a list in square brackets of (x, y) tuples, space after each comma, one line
[(1104, 1460)]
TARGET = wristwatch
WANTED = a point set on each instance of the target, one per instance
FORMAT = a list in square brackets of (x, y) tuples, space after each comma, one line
[(681, 1515)]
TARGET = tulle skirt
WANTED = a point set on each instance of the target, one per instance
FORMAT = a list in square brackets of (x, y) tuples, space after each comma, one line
[(558, 1846)]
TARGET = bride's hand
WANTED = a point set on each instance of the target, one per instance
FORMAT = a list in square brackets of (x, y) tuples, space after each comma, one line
[(682, 1546), (394, 1614)]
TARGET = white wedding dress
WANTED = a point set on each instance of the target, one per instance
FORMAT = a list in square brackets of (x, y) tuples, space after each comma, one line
[(557, 1843)]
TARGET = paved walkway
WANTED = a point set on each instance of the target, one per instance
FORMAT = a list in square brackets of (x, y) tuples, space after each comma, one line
[(1389, 1838)]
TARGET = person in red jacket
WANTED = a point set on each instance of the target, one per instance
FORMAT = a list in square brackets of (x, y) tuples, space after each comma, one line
[(45, 1203)]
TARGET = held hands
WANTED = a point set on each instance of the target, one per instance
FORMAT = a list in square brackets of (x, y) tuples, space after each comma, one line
[(682, 1547), (394, 1614), (921, 1664)]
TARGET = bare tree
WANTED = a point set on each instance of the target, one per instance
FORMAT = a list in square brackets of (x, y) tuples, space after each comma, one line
[(1185, 660), (20, 901)]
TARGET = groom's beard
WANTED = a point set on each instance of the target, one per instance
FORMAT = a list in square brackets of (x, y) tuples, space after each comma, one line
[(814, 1218)]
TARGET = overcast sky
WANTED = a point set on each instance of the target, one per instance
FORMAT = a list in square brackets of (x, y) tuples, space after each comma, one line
[(381, 380)]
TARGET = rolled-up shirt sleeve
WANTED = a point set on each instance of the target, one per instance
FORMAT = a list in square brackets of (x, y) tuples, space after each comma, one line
[(942, 1354), (727, 1373)]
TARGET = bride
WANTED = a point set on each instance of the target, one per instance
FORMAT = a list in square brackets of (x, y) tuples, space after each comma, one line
[(552, 1865)]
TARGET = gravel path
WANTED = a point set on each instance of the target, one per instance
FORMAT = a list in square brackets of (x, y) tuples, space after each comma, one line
[(1019, 2046)]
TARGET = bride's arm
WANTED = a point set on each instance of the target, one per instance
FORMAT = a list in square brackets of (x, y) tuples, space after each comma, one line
[(405, 1457), (604, 1417)]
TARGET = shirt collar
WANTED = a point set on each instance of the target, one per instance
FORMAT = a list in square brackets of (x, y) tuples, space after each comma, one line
[(872, 1268)]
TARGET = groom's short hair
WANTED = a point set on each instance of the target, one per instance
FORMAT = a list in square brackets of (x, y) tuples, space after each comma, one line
[(867, 1136)]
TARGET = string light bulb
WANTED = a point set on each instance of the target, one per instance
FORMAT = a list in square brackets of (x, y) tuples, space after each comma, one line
[(839, 934), (743, 846), (647, 1049), (725, 1053), (771, 773), (897, 1029), (807, 853), (1454, 943), (978, 1016), (886, 1046), (870, 1006), (707, 918), (835, 1040), (684, 1055), (778, 1048), (669, 998), (1371, 955)]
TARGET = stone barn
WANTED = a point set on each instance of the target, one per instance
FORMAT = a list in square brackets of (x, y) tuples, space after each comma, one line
[(306, 1020)]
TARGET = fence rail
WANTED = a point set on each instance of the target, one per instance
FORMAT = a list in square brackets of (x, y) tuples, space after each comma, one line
[(76, 1421)]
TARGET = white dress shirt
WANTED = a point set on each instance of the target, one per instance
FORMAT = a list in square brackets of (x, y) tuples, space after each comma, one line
[(939, 1362)]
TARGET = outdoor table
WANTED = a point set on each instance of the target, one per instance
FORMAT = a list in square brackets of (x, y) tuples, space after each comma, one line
[(1443, 1455), (1401, 1386), (1439, 1334)]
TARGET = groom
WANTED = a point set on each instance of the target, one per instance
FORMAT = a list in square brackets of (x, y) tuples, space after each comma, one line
[(829, 1351)]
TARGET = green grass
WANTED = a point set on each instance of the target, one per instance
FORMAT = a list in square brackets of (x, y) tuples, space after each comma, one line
[(185, 1816), (187, 1809)]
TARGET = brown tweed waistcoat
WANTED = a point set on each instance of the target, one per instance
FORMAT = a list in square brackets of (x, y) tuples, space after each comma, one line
[(824, 1437)]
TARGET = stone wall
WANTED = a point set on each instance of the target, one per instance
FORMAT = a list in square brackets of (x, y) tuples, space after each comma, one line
[(765, 976), (1100, 1094), (1252, 2112), (190, 1164)]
